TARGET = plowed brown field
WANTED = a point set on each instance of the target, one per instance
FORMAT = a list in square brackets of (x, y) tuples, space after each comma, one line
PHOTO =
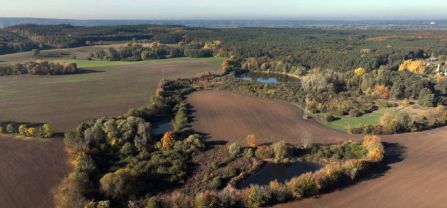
[(415, 170), (30, 171)]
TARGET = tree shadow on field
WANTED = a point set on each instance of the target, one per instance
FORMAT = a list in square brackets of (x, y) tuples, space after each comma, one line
[(394, 153)]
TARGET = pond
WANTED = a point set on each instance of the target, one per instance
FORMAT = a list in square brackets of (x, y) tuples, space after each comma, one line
[(266, 78), (278, 171), (161, 127)]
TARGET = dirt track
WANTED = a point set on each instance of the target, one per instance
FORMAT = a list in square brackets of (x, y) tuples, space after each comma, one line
[(415, 171), (30, 171)]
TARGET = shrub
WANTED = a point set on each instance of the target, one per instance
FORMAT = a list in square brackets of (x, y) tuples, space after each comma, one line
[(257, 196), (279, 191), (10, 128), (206, 200), (328, 117), (22, 130), (303, 185), (234, 150), (216, 183), (354, 113), (375, 148), (264, 152), (229, 172), (152, 203), (118, 183), (281, 150), (47, 130), (214, 165), (426, 98), (31, 132), (248, 153), (227, 199)]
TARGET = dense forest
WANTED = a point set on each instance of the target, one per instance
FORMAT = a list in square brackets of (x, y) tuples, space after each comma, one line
[(27, 37)]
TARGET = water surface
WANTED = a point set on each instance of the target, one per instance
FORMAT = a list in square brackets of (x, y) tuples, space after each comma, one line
[(278, 171)]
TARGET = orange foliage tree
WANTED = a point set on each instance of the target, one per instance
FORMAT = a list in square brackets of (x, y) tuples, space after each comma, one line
[(382, 91), (168, 140), (251, 140)]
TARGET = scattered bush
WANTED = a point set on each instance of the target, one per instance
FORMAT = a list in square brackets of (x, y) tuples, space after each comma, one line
[(264, 152), (281, 149), (248, 153), (303, 186), (216, 183), (234, 150)]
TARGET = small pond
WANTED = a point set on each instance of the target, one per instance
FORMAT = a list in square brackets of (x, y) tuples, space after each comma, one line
[(161, 127), (278, 171), (266, 78)]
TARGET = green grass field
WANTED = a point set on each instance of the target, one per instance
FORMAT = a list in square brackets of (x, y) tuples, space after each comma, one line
[(82, 63), (368, 119)]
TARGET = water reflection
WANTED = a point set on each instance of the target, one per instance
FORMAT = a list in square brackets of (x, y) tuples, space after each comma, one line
[(278, 171)]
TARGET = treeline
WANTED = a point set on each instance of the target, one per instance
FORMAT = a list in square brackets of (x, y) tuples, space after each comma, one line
[(11, 43), (39, 68), (138, 52), (67, 36), (26, 129)]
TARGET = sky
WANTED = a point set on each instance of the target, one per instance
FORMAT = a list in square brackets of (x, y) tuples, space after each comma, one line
[(226, 9)]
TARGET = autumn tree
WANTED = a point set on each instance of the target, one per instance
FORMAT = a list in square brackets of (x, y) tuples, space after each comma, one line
[(47, 131), (168, 140), (360, 71), (382, 91), (251, 140), (413, 66)]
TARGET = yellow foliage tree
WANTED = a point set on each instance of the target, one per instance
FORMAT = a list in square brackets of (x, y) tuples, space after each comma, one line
[(413, 66), (23, 130), (47, 130), (360, 71), (31, 132), (373, 145), (168, 140), (251, 140)]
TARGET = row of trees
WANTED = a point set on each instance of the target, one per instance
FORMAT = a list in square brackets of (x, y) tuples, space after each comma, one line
[(27, 130), (39, 68), (137, 52)]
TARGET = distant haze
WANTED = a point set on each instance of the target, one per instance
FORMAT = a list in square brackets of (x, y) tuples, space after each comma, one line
[(228, 9)]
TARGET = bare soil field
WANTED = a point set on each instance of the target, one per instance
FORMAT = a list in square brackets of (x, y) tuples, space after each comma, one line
[(30, 171), (225, 116), (414, 173), (65, 101)]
